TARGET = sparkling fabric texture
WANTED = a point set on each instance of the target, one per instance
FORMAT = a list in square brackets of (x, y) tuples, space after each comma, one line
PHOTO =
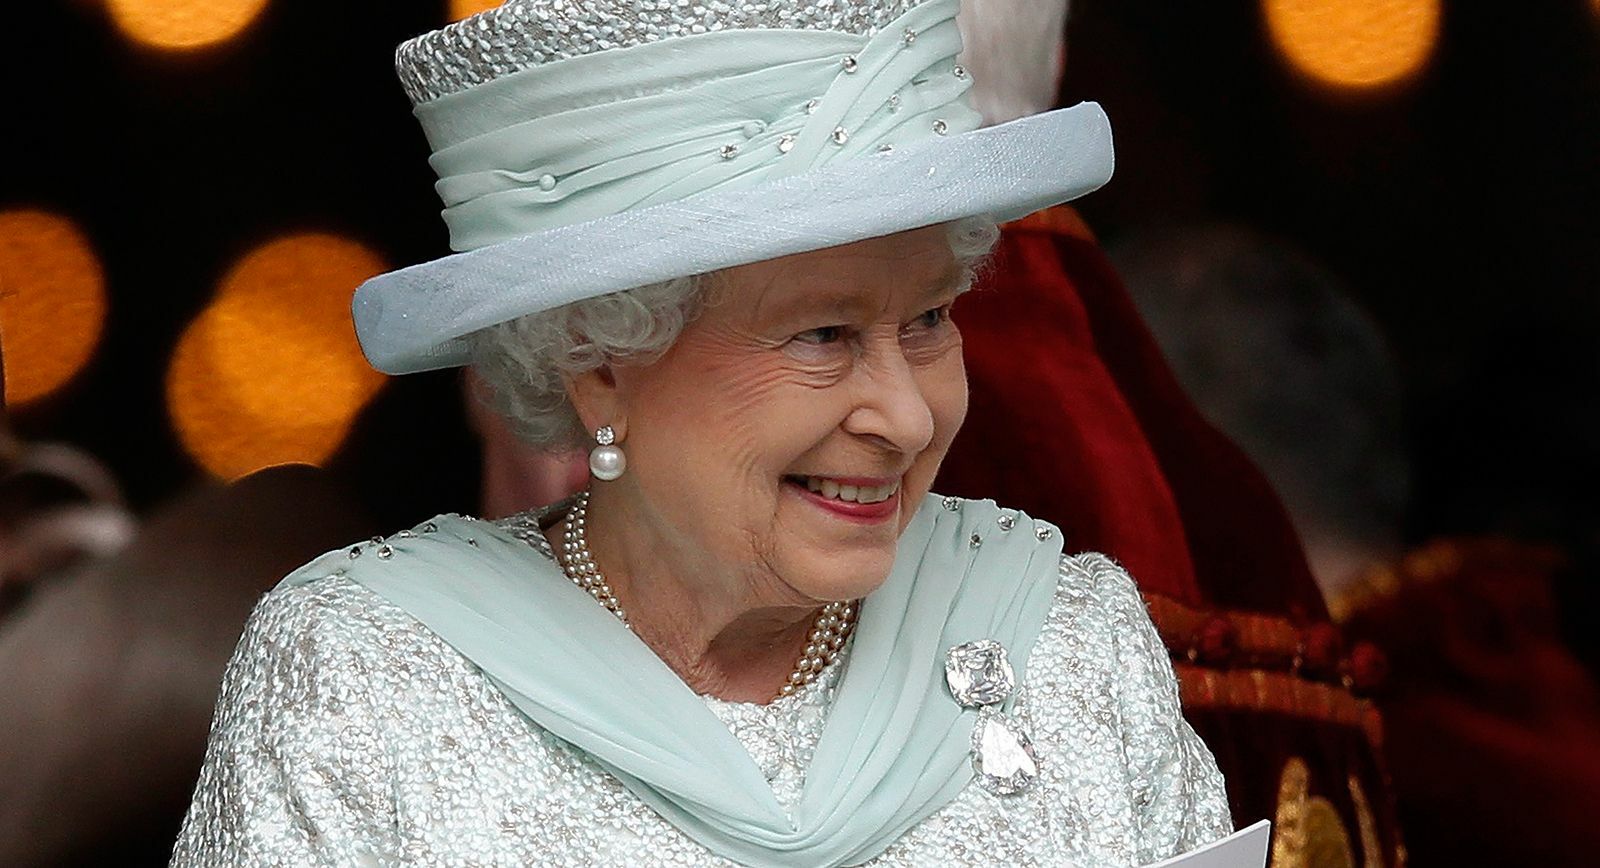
[(521, 34), (348, 734)]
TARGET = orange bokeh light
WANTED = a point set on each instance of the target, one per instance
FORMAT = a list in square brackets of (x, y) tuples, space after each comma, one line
[(460, 9), (52, 302), (183, 24), (270, 373), (1355, 44)]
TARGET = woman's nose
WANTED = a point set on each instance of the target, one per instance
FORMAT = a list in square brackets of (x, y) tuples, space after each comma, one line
[(890, 404)]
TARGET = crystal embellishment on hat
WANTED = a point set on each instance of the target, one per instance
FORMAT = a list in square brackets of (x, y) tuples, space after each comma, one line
[(840, 135), (979, 673), (1003, 754), (521, 34), (940, 127), (786, 143)]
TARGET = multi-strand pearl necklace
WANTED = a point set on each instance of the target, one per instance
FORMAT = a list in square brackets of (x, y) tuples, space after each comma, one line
[(828, 633)]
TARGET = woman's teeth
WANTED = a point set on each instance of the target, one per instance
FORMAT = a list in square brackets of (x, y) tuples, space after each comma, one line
[(854, 493)]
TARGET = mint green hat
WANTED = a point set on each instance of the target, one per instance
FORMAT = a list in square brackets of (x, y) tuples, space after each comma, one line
[(585, 148)]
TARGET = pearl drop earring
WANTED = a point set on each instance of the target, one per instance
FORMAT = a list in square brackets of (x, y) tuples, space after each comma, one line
[(606, 460)]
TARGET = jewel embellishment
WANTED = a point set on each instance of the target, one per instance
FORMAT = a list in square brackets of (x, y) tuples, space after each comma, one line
[(1007, 522), (840, 135), (952, 503), (975, 541), (1041, 533), (608, 435), (547, 182), (940, 127), (727, 152), (960, 71), (979, 673), (786, 143), (811, 106), (980, 676), (908, 37), (1003, 754), (894, 102), (849, 63)]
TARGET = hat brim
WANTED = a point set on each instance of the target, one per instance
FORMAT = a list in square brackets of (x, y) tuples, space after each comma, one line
[(416, 319)]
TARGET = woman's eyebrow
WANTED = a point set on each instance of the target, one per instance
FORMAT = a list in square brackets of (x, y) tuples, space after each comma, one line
[(950, 280)]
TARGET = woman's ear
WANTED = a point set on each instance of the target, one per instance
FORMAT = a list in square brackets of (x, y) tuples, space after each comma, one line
[(595, 395)]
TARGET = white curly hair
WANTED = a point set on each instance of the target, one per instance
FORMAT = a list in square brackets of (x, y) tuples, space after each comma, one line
[(526, 362)]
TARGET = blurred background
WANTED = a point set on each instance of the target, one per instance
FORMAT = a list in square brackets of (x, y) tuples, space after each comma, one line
[(190, 190)]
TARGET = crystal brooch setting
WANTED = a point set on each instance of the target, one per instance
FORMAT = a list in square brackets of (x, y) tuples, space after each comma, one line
[(980, 676)]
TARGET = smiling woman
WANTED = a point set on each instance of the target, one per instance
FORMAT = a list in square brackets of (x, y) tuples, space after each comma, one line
[(727, 265)]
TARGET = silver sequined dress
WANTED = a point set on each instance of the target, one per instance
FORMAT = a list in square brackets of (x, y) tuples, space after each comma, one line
[(349, 734)]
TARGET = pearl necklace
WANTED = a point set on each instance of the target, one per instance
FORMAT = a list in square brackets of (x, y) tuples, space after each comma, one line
[(828, 633)]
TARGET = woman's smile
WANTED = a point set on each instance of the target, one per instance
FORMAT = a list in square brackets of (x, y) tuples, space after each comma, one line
[(863, 499)]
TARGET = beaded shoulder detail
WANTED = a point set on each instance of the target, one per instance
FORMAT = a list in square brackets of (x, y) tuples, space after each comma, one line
[(522, 34)]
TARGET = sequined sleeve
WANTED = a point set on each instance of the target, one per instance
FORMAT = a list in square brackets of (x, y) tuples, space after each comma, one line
[(1178, 790), (295, 757)]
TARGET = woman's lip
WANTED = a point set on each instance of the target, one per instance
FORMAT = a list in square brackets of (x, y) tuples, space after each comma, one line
[(866, 513)]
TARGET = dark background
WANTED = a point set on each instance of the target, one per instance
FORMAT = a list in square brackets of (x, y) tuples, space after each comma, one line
[(1461, 207)]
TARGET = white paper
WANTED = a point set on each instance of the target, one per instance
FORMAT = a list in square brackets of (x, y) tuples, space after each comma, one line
[(1246, 848)]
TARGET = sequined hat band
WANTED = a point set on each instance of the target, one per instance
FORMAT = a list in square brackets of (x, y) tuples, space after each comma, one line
[(555, 145)]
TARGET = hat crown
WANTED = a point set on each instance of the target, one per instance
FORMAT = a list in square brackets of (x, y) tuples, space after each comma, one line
[(522, 34), (622, 128)]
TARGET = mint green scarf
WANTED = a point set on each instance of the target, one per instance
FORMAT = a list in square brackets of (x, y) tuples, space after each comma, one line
[(894, 750)]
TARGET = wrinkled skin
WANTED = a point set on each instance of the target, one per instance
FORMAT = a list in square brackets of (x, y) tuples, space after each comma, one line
[(838, 363)]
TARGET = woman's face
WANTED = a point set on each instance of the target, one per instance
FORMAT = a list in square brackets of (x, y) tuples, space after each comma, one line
[(793, 429)]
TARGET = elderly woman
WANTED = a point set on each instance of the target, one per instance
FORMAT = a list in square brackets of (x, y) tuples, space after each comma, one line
[(756, 638)]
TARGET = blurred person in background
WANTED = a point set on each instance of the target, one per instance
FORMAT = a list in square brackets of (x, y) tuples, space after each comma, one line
[(1493, 725), (113, 635)]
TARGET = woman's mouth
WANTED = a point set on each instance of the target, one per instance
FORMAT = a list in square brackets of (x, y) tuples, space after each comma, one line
[(857, 498)]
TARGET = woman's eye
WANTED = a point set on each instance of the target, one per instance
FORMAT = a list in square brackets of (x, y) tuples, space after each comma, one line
[(823, 335), (932, 318)]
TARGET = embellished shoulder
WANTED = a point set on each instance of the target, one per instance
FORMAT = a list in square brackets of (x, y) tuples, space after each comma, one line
[(1099, 671)]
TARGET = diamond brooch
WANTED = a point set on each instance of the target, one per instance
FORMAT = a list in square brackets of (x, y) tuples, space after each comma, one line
[(980, 676), (1003, 754), (979, 673)]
